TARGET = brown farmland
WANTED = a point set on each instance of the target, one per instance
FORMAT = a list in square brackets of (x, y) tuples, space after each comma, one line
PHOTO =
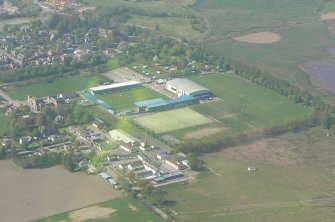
[(28, 195), (328, 16), (259, 38)]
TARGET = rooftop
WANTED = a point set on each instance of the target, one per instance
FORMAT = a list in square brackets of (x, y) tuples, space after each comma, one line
[(151, 103), (186, 85), (114, 86), (121, 135), (185, 98)]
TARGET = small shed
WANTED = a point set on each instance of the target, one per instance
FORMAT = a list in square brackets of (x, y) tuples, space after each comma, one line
[(250, 169)]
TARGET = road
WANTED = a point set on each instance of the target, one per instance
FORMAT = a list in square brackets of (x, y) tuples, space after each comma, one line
[(209, 30), (16, 103)]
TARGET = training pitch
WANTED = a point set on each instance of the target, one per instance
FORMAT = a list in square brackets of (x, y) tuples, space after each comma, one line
[(172, 120)]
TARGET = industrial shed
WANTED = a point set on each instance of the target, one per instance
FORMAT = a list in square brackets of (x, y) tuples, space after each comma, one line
[(183, 87)]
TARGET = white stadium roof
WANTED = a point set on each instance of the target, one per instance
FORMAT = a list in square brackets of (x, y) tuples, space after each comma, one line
[(114, 86), (187, 86)]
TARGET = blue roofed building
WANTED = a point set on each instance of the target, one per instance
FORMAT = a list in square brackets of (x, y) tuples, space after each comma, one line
[(181, 101), (152, 105)]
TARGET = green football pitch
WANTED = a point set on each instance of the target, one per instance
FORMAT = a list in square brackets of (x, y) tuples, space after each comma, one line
[(172, 120)]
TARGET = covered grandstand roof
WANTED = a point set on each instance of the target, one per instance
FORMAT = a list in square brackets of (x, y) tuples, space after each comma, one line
[(95, 100), (182, 99), (114, 86), (186, 85), (151, 103)]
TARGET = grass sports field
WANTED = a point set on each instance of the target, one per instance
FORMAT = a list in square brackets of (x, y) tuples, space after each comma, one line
[(245, 105), (62, 85), (293, 182), (126, 99), (172, 120), (123, 209)]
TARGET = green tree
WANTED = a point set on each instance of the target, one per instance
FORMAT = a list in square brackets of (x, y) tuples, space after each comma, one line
[(68, 161), (194, 162)]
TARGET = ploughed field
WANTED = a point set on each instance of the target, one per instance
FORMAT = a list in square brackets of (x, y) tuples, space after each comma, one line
[(28, 195), (121, 209)]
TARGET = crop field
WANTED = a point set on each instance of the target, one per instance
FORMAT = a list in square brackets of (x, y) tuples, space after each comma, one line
[(123, 209), (62, 85), (172, 120), (28, 195), (245, 105), (293, 182), (126, 99)]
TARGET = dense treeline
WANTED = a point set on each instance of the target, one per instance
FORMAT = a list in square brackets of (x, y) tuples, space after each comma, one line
[(26, 73), (36, 161), (68, 160), (315, 118), (283, 87)]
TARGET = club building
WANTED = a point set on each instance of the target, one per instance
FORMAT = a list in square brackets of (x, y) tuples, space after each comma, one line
[(182, 87)]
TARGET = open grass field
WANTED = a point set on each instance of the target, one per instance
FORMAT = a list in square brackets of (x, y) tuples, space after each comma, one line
[(126, 99), (175, 27), (165, 6), (296, 21), (28, 195), (123, 209), (172, 120), (245, 105), (294, 181), (62, 85)]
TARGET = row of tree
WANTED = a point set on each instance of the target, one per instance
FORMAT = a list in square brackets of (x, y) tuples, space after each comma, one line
[(26, 73), (315, 118)]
